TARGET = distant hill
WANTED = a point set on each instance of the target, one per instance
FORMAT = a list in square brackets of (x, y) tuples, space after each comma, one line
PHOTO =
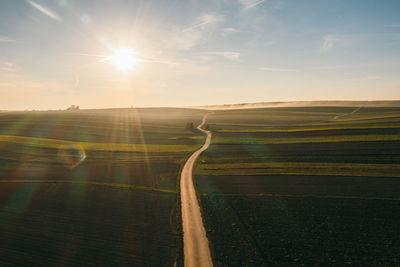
[(378, 103)]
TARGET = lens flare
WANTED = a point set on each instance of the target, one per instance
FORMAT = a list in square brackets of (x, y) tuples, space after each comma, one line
[(72, 155)]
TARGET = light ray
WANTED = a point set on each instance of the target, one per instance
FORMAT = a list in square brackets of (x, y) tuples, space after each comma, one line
[(44, 10)]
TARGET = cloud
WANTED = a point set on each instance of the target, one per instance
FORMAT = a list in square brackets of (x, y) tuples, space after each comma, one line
[(374, 77), (197, 33), (9, 71), (8, 67), (272, 69), (44, 10), (247, 4), (5, 39), (227, 31), (333, 67), (234, 56), (328, 42), (160, 61), (205, 20), (231, 55), (186, 40)]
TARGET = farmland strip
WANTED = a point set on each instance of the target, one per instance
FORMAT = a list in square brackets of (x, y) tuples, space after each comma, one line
[(127, 186)]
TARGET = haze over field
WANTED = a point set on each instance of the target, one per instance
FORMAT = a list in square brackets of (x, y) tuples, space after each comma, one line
[(54, 53)]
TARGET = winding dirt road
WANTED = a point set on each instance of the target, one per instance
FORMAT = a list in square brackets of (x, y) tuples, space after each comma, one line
[(195, 242)]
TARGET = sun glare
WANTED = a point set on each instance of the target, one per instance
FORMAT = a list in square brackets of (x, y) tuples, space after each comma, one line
[(124, 59)]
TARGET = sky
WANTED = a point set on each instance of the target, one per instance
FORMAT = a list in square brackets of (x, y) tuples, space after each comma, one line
[(56, 53)]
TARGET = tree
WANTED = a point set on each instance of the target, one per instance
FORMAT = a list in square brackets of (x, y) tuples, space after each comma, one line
[(189, 126), (73, 107)]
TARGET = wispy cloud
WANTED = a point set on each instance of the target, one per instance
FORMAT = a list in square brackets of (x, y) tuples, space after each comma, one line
[(374, 77), (247, 4), (205, 20), (229, 30), (8, 66), (159, 61), (234, 56), (5, 39), (333, 67), (45, 10), (8, 70), (328, 42), (203, 26), (272, 69)]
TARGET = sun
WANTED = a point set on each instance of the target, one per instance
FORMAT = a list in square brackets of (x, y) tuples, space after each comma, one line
[(124, 59)]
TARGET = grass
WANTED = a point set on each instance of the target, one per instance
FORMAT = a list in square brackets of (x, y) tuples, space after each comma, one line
[(94, 187), (126, 186), (303, 168), (278, 186), (306, 129), (322, 139), (79, 224), (64, 145), (300, 186), (294, 231)]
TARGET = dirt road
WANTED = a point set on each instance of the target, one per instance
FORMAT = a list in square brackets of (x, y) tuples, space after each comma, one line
[(354, 111), (195, 242)]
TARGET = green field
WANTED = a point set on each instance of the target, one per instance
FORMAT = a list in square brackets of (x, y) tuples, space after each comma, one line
[(93, 187), (278, 186), (312, 186)]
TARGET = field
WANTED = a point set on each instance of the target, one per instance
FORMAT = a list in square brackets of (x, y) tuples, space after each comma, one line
[(94, 186), (278, 186), (302, 186)]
